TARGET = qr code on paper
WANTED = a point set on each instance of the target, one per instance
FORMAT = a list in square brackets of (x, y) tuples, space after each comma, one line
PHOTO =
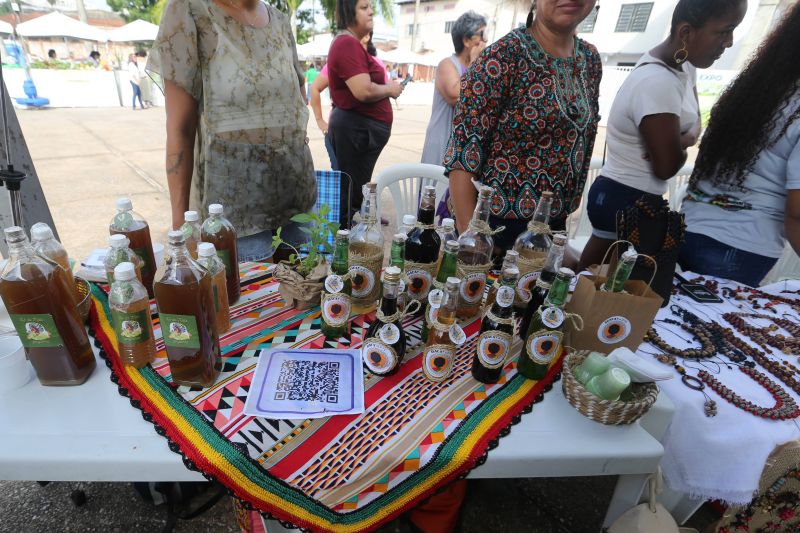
[(310, 381)]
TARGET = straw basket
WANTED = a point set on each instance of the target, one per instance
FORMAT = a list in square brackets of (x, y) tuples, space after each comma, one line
[(84, 297), (612, 413)]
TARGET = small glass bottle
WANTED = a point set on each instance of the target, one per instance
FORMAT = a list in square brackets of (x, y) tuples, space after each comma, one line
[(130, 313), (398, 251), (218, 230), (207, 258), (534, 297), (546, 331), (385, 342), (409, 223), (336, 291), (119, 252), (422, 250), (447, 232), (192, 231), (616, 281), (186, 309), (366, 254), (42, 306), (46, 244), (475, 257), (446, 270), (445, 336), (533, 245), (133, 226), (497, 331), (509, 260)]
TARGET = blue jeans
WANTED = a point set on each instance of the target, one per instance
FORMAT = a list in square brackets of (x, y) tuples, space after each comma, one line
[(703, 255), (137, 93), (331, 153)]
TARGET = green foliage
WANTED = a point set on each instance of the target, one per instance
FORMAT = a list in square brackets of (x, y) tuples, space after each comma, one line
[(318, 229), (131, 10), (305, 26), (381, 7)]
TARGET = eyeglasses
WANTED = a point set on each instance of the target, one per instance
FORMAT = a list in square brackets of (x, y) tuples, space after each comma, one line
[(481, 36)]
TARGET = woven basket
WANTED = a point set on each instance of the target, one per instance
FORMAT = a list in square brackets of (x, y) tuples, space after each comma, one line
[(612, 413), (84, 297)]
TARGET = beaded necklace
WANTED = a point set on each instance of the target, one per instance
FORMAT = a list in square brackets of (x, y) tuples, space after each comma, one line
[(763, 336)]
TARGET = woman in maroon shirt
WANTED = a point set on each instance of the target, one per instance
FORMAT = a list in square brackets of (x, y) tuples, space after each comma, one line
[(361, 121)]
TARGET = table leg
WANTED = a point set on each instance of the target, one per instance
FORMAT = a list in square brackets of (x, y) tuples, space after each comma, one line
[(627, 494)]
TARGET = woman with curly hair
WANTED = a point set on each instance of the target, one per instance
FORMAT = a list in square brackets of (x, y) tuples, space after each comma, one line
[(743, 201)]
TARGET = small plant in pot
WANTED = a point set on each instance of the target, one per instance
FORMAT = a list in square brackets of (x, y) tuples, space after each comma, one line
[(301, 277)]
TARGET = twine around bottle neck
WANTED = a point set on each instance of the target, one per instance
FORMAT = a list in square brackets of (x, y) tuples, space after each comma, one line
[(542, 228), (505, 321), (483, 227), (398, 315)]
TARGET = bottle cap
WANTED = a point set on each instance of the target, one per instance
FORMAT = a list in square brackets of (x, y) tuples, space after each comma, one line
[(429, 190), (485, 191), (512, 253), (118, 240), (206, 249), (399, 237), (511, 271), (124, 271), (191, 216), (566, 272), (344, 233), (391, 273), (448, 223), (176, 237), (124, 204), (627, 255), (15, 234), (451, 246), (453, 280), (409, 220), (559, 239), (215, 209), (41, 232)]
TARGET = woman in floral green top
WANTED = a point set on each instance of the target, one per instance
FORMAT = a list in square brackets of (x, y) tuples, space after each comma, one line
[(233, 82), (526, 121)]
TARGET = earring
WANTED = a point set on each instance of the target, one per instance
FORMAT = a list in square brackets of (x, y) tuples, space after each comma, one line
[(681, 54)]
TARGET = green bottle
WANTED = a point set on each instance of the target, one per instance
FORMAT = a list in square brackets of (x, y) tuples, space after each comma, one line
[(336, 295), (616, 281), (398, 251), (546, 330), (447, 269)]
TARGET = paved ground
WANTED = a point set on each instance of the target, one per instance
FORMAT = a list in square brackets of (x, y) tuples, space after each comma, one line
[(85, 158)]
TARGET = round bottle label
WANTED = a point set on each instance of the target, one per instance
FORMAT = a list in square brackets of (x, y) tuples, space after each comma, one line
[(457, 335), (378, 356), (493, 347), (335, 309), (436, 298), (389, 333), (543, 346), (334, 283), (419, 283), (362, 280), (614, 329), (438, 363), (431, 314), (472, 286), (552, 317), (401, 287), (505, 296), (526, 284)]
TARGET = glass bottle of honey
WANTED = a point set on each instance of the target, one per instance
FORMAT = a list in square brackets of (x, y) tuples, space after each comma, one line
[(42, 305), (366, 254), (119, 252), (220, 232), (130, 313), (134, 227), (533, 246), (445, 336), (208, 259), (185, 300), (475, 257)]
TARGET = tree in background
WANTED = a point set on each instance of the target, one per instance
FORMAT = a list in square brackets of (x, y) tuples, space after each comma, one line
[(131, 10), (305, 26), (381, 7)]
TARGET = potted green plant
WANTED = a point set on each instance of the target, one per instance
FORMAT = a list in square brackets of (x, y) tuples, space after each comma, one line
[(302, 276)]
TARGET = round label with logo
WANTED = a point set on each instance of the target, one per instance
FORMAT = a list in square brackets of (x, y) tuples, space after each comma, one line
[(377, 356), (419, 283), (614, 329), (472, 286), (432, 314), (493, 347), (437, 364), (436, 298), (335, 309), (362, 280), (334, 283), (389, 333), (543, 346), (526, 284), (552, 317), (457, 335), (505, 296), (401, 286)]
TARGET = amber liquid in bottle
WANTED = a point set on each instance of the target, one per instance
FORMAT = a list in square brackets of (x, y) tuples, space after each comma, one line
[(224, 240), (138, 233), (130, 312)]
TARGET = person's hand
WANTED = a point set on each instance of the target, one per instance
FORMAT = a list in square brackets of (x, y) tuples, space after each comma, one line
[(688, 139), (322, 125), (395, 89), (475, 51)]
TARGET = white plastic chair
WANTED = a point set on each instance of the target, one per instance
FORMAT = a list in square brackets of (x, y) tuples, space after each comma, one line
[(578, 225), (405, 181), (677, 186)]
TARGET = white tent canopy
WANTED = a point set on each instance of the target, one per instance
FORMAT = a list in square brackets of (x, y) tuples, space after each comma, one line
[(5, 27), (316, 48), (138, 30), (57, 25), (407, 57)]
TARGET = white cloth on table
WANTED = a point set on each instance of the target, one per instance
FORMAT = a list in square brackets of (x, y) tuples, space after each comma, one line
[(720, 457)]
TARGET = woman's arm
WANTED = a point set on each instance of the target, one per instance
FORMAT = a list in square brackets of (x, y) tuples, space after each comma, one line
[(448, 82), (662, 139), (182, 118), (791, 219), (319, 84), (364, 90), (462, 191)]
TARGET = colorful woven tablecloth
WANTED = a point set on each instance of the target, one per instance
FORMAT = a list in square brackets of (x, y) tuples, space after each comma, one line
[(342, 473)]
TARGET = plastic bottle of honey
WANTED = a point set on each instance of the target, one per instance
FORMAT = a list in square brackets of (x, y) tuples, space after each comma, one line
[(134, 227), (130, 313)]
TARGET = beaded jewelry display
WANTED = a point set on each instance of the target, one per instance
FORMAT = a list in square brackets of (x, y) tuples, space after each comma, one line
[(767, 336)]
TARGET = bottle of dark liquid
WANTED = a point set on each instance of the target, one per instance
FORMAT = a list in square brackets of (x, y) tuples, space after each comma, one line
[(385, 342), (219, 231), (497, 331), (130, 312), (422, 250), (544, 335), (536, 297), (336, 292), (185, 300), (42, 306), (445, 336), (447, 269), (134, 227), (509, 260), (533, 246), (475, 257), (366, 254), (616, 280)]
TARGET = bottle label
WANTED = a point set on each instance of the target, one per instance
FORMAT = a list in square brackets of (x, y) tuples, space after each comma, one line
[(334, 283), (186, 229), (225, 257), (436, 298), (437, 362), (379, 357), (143, 255), (526, 284), (552, 317), (432, 314), (472, 287), (389, 333), (614, 329), (457, 335), (180, 331), (122, 221), (131, 328), (37, 331), (493, 347), (543, 345), (419, 283), (363, 281), (401, 286), (505, 296), (335, 309)]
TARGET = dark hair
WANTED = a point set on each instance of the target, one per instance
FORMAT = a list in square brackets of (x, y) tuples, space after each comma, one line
[(51, 53), (345, 13), (141, 53), (371, 50), (95, 54), (529, 20), (698, 12), (465, 27), (742, 122)]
